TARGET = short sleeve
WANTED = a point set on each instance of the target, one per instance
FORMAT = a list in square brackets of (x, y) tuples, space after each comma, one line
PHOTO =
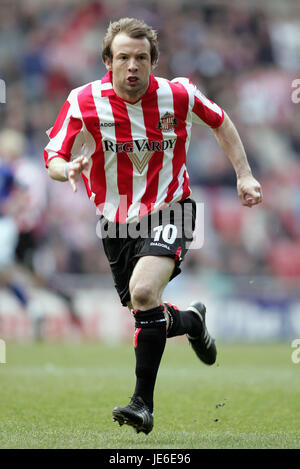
[(65, 136), (206, 111)]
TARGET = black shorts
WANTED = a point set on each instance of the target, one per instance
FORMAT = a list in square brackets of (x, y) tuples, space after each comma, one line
[(168, 232)]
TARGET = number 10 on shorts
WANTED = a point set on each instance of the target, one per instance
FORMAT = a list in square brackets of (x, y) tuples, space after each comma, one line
[(2, 351), (167, 232)]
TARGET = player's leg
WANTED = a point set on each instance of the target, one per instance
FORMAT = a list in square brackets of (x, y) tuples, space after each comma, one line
[(147, 283), (159, 261), (149, 278)]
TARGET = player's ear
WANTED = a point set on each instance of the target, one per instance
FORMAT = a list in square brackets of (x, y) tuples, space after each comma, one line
[(153, 65), (108, 63)]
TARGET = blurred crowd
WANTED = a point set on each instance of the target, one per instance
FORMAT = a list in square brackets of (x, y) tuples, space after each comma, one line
[(242, 56)]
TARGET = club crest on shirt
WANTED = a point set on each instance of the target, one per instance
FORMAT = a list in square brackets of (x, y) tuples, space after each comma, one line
[(167, 122)]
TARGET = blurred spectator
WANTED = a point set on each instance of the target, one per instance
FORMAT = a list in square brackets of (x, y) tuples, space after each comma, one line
[(23, 225)]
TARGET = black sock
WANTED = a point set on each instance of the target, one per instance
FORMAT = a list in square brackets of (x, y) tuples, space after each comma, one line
[(149, 342), (182, 322)]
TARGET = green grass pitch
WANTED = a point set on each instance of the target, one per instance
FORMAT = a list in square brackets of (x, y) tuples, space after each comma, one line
[(62, 395)]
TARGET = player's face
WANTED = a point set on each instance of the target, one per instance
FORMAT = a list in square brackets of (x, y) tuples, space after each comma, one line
[(130, 66)]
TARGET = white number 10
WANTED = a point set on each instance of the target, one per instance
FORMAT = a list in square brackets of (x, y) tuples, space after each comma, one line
[(168, 233)]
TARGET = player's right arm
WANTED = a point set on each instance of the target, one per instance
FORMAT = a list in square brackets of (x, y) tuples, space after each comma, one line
[(59, 170), (63, 154)]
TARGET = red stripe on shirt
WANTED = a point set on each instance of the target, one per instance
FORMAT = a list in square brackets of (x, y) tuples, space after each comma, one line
[(181, 105), (46, 156), (60, 120), (65, 151), (74, 127), (151, 119), (210, 117), (124, 165), (90, 117), (186, 191), (86, 183), (48, 159)]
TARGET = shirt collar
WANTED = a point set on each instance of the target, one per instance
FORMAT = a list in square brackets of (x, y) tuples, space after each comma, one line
[(107, 86)]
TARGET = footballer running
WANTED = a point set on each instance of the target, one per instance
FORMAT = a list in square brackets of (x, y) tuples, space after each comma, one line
[(127, 135)]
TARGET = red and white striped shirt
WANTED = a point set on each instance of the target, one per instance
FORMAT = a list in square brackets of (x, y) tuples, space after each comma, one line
[(136, 151)]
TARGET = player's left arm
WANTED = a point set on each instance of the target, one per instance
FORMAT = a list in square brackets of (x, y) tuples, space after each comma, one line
[(249, 189)]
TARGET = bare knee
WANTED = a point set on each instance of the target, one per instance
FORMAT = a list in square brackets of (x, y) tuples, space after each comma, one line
[(143, 296)]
